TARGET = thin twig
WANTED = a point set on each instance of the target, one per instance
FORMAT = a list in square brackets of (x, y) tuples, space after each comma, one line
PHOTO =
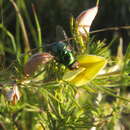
[(102, 30), (110, 29)]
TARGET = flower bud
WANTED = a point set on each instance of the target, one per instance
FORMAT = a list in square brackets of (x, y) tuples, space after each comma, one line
[(36, 60), (85, 19)]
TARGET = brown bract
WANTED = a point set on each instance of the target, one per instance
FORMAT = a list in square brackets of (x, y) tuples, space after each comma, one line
[(37, 59)]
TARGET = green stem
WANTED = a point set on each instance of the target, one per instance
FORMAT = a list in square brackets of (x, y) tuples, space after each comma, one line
[(26, 40), (97, 3), (38, 29), (10, 36)]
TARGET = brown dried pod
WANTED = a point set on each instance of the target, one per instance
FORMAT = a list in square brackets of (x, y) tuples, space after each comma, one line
[(37, 59)]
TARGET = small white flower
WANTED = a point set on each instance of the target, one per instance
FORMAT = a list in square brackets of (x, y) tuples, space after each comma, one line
[(13, 95)]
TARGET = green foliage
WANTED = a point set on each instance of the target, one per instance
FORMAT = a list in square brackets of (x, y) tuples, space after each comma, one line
[(46, 100)]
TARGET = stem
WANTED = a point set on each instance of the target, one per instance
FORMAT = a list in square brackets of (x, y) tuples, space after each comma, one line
[(10, 35), (26, 40), (110, 29), (110, 73), (97, 3), (102, 30), (38, 29)]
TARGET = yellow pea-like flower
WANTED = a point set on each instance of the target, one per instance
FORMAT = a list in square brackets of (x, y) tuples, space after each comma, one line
[(89, 67)]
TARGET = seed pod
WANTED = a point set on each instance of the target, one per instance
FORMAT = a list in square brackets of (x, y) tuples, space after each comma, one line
[(13, 95), (85, 19), (37, 59)]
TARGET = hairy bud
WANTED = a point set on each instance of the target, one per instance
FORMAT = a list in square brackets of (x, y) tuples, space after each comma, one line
[(37, 59)]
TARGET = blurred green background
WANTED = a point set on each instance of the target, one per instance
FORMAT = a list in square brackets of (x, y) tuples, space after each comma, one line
[(112, 13)]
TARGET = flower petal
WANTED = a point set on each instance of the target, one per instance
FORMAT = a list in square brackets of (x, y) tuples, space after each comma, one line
[(90, 66), (13, 95), (85, 19)]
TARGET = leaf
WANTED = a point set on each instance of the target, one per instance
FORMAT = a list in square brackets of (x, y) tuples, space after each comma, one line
[(90, 66)]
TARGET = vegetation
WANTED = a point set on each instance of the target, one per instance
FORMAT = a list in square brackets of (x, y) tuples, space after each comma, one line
[(45, 100)]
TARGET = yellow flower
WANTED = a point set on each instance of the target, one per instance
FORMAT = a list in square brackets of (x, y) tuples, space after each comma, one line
[(89, 67)]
